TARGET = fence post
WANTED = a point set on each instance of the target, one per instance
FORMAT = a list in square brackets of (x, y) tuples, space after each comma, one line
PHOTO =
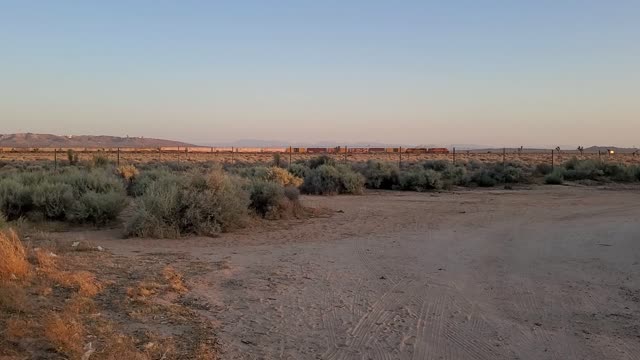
[(552, 159), (504, 157), (454, 155), (159, 154), (55, 159), (400, 161), (290, 151), (118, 156), (346, 150)]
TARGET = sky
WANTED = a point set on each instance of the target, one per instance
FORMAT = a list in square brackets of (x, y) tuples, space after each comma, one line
[(500, 73)]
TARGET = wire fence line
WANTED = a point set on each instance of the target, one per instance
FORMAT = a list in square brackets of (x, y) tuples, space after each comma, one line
[(288, 155)]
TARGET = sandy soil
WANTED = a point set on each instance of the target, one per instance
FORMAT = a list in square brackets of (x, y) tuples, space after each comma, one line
[(543, 273)]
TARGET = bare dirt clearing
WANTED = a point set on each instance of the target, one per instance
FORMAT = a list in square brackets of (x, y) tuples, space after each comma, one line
[(547, 273)]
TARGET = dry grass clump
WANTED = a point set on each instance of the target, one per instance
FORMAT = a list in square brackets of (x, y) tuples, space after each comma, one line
[(66, 333), (205, 352), (13, 257), (83, 281), (32, 326), (127, 172), (13, 298), (16, 329), (143, 291), (174, 280)]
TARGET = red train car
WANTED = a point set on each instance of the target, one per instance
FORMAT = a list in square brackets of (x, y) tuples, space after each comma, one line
[(438, 151)]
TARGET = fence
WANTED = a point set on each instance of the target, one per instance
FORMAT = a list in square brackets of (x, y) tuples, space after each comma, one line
[(291, 154)]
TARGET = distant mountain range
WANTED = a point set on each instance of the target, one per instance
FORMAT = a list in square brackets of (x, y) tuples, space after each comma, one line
[(56, 141), (91, 141)]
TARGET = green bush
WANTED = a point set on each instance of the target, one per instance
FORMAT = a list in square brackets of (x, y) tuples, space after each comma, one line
[(100, 161), (380, 175), (454, 175), (201, 204), (54, 200), (484, 178), (70, 195), (15, 199), (543, 169), (266, 197), (420, 180), (556, 177), (321, 160), (292, 193), (98, 208), (299, 170), (329, 180), (271, 174), (142, 181)]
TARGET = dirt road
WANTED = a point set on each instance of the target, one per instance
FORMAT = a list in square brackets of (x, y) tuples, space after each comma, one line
[(547, 273)]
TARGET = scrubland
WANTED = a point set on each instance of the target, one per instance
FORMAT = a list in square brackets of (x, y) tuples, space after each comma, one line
[(81, 277)]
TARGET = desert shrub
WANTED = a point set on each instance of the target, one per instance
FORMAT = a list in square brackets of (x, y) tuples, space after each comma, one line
[(437, 165), (484, 178), (270, 174), (420, 180), (266, 196), (299, 170), (277, 160), (100, 161), (556, 177), (127, 172), (454, 175), (192, 204), (54, 200), (543, 169), (327, 179), (283, 177), (321, 160), (511, 174), (583, 170), (15, 198), (71, 195), (141, 182), (380, 175), (98, 208), (292, 193), (72, 157)]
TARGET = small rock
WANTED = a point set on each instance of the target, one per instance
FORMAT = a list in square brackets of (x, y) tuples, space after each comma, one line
[(100, 248), (75, 244), (383, 277), (537, 324)]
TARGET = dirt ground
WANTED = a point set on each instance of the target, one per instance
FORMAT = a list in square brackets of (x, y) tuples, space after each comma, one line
[(543, 273)]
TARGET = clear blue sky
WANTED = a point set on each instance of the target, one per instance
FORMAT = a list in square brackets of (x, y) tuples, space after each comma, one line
[(482, 72)]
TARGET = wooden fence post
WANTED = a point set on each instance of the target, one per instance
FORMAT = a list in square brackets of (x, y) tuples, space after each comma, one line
[(504, 157), (55, 159), (400, 161), (454, 155), (552, 159), (118, 156)]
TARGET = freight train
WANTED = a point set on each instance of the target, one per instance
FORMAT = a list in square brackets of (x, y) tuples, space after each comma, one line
[(271, 150)]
